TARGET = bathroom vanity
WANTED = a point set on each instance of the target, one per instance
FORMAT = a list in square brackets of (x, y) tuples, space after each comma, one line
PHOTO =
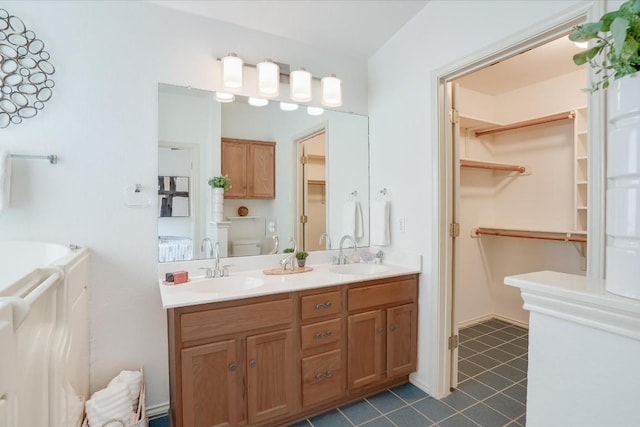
[(281, 356)]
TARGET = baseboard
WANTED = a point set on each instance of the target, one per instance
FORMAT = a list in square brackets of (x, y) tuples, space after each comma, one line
[(413, 379), (157, 411), (490, 316)]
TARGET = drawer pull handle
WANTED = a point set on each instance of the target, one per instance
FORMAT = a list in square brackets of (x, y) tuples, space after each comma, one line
[(320, 376), (379, 331), (320, 306), (233, 367), (252, 363), (393, 328), (319, 335)]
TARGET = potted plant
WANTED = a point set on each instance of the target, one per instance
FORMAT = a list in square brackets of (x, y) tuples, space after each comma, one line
[(615, 50), (287, 250), (219, 184), (614, 54), (301, 256)]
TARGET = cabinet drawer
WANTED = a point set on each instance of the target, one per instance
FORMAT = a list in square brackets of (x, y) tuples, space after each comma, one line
[(223, 321), (320, 305), (386, 293), (321, 377), (320, 334)]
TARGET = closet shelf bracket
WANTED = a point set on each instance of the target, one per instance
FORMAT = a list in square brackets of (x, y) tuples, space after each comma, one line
[(569, 115)]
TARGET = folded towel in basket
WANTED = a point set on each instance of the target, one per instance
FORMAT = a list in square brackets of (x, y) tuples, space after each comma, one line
[(110, 404), (133, 381)]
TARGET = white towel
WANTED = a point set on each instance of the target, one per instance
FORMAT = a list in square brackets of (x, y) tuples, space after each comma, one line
[(352, 223), (5, 180), (380, 230), (133, 381), (111, 403)]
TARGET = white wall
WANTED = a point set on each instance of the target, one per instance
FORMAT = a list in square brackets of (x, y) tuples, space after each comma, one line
[(102, 122), (402, 126)]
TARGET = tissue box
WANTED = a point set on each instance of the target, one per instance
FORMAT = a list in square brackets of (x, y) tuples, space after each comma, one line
[(177, 277)]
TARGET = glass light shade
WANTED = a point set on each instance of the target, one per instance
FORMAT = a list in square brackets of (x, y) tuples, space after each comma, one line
[(300, 85), (315, 111), (258, 102), (225, 97), (285, 106), (331, 91), (232, 71), (268, 78)]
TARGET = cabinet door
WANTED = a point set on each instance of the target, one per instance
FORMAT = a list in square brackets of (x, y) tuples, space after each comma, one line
[(234, 163), (401, 339), (366, 346), (209, 381), (261, 171), (270, 375)]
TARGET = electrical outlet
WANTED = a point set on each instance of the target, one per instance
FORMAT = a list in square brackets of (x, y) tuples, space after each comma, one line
[(401, 224)]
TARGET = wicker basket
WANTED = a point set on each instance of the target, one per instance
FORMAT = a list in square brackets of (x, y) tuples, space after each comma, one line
[(141, 414)]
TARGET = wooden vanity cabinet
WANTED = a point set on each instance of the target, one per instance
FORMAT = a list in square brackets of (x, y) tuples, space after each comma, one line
[(272, 360), (233, 363), (382, 331), (251, 168)]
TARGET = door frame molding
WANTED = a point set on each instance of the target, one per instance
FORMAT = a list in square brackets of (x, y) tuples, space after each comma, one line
[(441, 263)]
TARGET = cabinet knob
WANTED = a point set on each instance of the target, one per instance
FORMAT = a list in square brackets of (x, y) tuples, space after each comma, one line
[(393, 328), (318, 335), (320, 376), (327, 304), (328, 334), (328, 374), (252, 363), (233, 367), (380, 331), (320, 306)]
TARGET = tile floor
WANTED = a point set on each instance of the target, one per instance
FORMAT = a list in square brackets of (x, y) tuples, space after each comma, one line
[(491, 391)]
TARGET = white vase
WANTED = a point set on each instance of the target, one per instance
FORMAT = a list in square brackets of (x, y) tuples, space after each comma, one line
[(217, 204), (623, 187)]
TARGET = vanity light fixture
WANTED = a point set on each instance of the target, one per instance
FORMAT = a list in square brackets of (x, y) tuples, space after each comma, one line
[(331, 91), (232, 71), (225, 97), (258, 102), (300, 85), (268, 78), (315, 111), (285, 106)]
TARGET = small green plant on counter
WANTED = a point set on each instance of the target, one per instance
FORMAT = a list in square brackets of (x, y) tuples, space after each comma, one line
[(221, 181), (615, 49), (302, 255), (287, 250)]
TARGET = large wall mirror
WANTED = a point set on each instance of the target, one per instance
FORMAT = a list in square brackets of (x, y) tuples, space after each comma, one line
[(321, 176)]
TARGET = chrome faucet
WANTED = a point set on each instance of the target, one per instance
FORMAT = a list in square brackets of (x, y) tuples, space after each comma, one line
[(290, 259), (342, 258), (275, 245), (327, 238), (206, 247), (216, 270)]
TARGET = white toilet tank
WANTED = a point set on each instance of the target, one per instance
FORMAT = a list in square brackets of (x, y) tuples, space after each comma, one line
[(245, 247)]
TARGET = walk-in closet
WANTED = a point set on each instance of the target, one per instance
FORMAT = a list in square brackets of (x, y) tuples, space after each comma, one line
[(520, 194)]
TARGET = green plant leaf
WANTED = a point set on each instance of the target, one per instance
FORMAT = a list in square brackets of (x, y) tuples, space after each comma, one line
[(585, 32), (583, 57), (634, 6), (608, 18), (619, 33)]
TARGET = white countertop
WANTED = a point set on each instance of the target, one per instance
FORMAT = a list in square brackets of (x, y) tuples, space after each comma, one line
[(193, 293)]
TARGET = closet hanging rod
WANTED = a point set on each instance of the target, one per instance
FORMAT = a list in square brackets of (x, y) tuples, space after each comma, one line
[(53, 159), (569, 115), (543, 235), (492, 166)]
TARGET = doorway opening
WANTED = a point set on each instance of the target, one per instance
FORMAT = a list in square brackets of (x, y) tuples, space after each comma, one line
[(312, 200), (512, 165)]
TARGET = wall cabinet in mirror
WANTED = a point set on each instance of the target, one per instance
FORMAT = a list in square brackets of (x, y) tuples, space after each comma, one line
[(251, 168)]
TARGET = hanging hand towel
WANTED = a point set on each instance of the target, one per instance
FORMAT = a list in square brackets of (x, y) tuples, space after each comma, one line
[(380, 232), (359, 233), (349, 218), (5, 180)]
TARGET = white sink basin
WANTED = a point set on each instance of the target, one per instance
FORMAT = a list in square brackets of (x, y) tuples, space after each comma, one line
[(223, 285), (359, 269)]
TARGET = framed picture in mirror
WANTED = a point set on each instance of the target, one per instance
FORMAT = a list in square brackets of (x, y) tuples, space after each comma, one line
[(173, 196)]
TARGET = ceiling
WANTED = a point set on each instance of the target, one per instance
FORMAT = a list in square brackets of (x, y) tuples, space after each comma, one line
[(352, 28), (542, 63)]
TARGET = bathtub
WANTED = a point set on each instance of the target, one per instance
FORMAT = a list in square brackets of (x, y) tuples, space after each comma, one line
[(44, 334)]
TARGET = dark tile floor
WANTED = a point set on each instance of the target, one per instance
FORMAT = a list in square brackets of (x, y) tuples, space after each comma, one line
[(491, 391)]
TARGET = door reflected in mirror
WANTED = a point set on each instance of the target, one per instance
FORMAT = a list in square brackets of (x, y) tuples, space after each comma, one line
[(318, 163)]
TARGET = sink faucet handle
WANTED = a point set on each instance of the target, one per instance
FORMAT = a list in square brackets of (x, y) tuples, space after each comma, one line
[(224, 270), (208, 272)]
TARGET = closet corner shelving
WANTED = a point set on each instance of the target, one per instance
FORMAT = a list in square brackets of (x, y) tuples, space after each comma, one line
[(581, 156)]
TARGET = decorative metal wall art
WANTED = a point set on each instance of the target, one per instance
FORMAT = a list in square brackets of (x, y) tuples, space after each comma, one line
[(25, 71)]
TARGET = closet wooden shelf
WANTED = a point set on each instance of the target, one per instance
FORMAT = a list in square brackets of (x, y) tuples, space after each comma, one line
[(569, 115), (569, 236), (316, 182), (464, 163)]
